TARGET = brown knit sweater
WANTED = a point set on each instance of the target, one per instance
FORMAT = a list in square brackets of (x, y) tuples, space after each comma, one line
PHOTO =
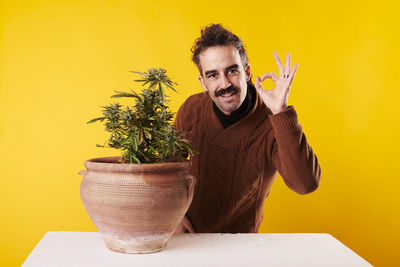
[(236, 166)]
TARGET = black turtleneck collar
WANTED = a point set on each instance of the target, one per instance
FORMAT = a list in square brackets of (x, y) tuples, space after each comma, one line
[(236, 115)]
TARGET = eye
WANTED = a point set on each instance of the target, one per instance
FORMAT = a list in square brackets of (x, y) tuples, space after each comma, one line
[(213, 75), (233, 71)]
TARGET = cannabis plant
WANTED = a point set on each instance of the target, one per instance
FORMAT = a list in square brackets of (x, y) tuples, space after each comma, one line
[(143, 132)]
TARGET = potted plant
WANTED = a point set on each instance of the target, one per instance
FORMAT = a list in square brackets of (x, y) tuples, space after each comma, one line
[(138, 199)]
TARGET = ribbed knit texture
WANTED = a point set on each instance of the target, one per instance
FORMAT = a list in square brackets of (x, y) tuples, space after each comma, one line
[(285, 122)]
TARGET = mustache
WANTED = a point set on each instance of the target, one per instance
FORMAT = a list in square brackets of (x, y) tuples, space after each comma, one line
[(230, 89)]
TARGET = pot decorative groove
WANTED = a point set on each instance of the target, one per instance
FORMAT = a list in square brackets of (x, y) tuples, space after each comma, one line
[(136, 207)]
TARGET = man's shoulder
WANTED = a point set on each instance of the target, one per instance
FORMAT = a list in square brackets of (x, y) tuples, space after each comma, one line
[(196, 98), (195, 103), (191, 111)]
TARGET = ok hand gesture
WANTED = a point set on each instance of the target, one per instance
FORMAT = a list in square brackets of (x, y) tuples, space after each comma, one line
[(276, 99)]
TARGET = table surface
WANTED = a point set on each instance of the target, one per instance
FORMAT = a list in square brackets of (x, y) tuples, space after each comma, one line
[(88, 249)]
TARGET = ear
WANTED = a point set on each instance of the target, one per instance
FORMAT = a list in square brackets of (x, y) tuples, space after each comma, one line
[(248, 72), (201, 79)]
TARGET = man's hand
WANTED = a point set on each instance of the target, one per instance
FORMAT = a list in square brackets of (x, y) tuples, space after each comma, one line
[(277, 99), (184, 225)]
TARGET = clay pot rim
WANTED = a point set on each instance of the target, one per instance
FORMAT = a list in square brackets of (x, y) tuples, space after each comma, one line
[(110, 164)]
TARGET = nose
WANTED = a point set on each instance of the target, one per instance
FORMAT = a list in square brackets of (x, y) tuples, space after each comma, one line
[(224, 82)]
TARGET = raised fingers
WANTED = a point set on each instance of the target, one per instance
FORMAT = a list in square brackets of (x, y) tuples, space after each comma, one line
[(292, 73), (287, 66), (279, 63)]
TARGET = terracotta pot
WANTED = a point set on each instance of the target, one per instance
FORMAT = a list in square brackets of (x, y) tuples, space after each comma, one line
[(136, 207)]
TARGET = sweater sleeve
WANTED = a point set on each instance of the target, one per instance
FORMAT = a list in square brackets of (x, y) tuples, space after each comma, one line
[(291, 154)]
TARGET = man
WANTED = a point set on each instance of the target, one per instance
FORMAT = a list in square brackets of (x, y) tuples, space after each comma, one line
[(244, 134)]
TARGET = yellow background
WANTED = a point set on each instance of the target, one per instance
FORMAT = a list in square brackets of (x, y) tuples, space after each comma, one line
[(61, 60)]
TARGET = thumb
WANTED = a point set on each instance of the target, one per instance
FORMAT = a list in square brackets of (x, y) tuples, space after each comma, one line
[(258, 85), (258, 82)]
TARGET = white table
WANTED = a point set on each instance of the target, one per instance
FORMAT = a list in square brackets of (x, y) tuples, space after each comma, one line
[(88, 249)]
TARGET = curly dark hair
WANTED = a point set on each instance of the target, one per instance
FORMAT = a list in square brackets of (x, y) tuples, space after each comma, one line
[(216, 34)]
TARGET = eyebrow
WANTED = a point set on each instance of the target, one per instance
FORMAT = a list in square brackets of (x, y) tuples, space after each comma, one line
[(234, 66)]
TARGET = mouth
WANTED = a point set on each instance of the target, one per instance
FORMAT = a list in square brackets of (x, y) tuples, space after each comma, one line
[(228, 95)]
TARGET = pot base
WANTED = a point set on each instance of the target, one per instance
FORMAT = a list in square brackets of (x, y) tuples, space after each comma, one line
[(137, 245)]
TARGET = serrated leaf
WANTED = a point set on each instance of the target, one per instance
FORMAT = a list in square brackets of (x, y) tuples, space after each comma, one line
[(143, 133)]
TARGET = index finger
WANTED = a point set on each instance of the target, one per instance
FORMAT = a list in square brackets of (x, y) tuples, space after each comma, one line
[(279, 63)]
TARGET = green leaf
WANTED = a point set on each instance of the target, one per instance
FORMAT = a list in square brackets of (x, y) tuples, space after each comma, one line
[(145, 83), (188, 148), (140, 136), (137, 72), (123, 94), (171, 82), (161, 91), (136, 159), (135, 145), (154, 83), (143, 131), (96, 119), (169, 86)]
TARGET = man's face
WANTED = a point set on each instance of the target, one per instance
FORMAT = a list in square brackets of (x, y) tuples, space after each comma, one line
[(224, 77)]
